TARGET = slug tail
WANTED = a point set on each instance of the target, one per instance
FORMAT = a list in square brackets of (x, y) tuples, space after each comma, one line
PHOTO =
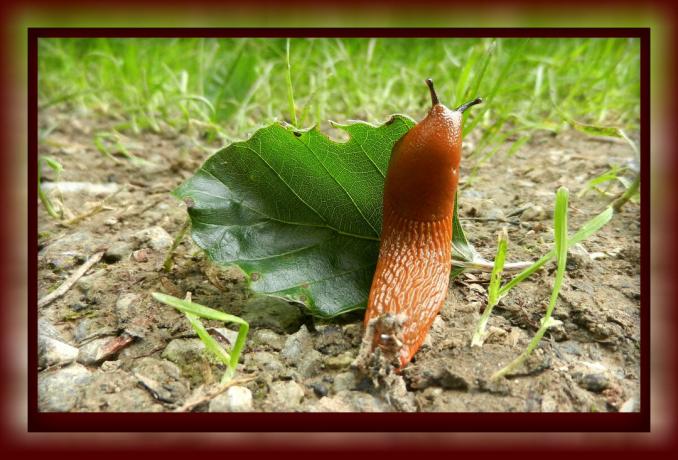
[(410, 282)]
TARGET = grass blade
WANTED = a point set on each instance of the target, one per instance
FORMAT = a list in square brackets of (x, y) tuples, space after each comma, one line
[(193, 311), (561, 243), (493, 290), (586, 230), (290, 89)]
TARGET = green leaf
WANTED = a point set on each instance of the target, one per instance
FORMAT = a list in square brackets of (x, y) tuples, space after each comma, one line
[(299, 213)]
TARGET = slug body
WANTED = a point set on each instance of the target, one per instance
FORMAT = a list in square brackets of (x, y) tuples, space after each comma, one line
[(413, 270)]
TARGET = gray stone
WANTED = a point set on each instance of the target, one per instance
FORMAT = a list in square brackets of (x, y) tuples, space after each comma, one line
[(59, 390), (310, 363), (344, 381), (285, 395), (342, 361), (89, 328), (452, 379), (87, 282), (353, 333), (47, 329), (162, 378), (70, 251), (330, 340), (578, 256), (297, 345), (444, 377), (266, 361), (272, 313), (235, 399), (535, 212), (494, 214), (125, 306), (319, 388), (230, 336), (110, 366), (192, 358), (630, 405), (53, 352), (96, 351), (65, 260), (594, 383), (117, 391), (268, 338), (350, 401), (118, 251), (154, 237), (184, 351)]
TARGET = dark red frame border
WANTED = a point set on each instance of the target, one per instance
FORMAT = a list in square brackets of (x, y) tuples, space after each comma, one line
[(339, 422)]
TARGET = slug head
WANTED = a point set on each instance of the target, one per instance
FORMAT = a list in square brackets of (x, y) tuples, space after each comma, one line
[(424, 167)]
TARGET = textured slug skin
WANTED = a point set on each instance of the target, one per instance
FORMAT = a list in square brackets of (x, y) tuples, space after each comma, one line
[(413, 269)]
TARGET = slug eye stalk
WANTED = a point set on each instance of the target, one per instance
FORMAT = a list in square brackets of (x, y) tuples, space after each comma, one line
[(462, 108)]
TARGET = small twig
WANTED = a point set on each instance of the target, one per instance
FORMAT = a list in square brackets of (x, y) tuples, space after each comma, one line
[(491, 219), (70, 281), (100, 206), (94, 210), (123, 216), (199, 399), (485, 266)]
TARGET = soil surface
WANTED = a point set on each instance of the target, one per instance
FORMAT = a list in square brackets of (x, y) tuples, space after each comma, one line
[(107, 345)]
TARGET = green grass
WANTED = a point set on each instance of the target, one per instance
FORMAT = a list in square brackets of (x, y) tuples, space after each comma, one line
[(561, 245), (193, 312), (226, 88)]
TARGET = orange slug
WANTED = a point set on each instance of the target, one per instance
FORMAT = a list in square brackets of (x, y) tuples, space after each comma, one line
[(413, 270)]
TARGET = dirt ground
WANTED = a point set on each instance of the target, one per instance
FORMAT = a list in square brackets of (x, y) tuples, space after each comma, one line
[(107, 345)]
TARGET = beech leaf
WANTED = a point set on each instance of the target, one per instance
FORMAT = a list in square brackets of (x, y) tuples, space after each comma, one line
[(300, 213)]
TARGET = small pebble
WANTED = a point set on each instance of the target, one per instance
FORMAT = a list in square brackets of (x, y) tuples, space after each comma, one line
[(101, 349), (272, 313), (268, 338), (58, 391), (297, 345), (344, 381), (125, 306), (235, 399), (310, 363), (155, 237), (266, 361), (594, 383), (162, 378), (140, 255), (53, 352), (535, 212), (110, 366), (285, 395), (320, 389), (342, 361), (117, 252)]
